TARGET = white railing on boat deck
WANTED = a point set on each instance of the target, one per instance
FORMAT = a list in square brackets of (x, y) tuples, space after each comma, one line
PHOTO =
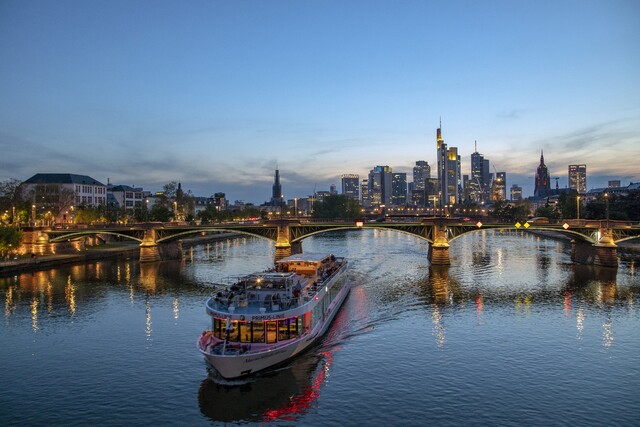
[(241, 303)]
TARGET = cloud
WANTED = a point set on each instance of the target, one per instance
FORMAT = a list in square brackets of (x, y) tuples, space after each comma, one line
[(513, 114)]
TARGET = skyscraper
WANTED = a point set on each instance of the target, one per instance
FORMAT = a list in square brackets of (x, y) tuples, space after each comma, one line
[(380, 184), (421, 173), (516, 193), (442, 166), (578, 178), (448, 171), (351, 186), (365, 197), (454, 178), (480, 180), (543, 183), (399, 189)]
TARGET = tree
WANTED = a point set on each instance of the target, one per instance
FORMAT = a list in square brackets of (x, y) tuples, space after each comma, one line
[(547, 212), (507, 212), (567, 204), (51, 199), (337, 206), (11, 199), (10, 239), (90, 214), (160, 213)]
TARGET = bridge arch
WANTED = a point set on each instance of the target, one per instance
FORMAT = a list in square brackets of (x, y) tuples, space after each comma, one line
[(300, 238), (80, 234), (184, 233)]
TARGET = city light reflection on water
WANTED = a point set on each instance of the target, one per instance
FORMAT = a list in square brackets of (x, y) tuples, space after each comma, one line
[(511, 327)]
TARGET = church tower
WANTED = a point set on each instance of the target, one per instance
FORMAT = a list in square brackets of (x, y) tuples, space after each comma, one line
[(276, 194), (543, 182)]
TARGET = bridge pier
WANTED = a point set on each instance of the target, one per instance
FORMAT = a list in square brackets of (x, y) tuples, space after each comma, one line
[(283, 243), (582, 253), (149, 251), (606, 249), (439, 249), (152, 251)]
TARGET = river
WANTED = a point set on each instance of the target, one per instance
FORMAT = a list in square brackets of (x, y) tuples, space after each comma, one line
[(512, 333)]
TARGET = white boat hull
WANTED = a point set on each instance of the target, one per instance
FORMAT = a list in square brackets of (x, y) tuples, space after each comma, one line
[(239, 365)]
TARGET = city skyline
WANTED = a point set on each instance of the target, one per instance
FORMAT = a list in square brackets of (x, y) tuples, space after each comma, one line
[(216, 95)]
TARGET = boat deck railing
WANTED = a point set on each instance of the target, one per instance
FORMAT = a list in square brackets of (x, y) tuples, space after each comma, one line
[(235, 300)]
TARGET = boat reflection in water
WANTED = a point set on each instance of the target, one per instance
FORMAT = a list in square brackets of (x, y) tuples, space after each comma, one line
[(283, 394), (279, 395)]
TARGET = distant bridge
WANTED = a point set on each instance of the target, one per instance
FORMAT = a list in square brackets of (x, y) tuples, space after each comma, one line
[(593, 241)]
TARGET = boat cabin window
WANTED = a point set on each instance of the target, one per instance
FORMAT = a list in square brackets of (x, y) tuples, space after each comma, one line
[(287, 328), (272, 328), (257, 332), (257, 329)]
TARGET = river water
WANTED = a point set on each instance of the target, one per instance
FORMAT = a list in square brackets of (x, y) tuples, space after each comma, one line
[(512, 333)]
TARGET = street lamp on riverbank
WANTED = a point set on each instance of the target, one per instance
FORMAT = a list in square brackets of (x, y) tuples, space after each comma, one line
[(606, 200), (578, 206)]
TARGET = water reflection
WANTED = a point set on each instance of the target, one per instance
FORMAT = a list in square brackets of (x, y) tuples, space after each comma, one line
[(280, 395), (34, 314)]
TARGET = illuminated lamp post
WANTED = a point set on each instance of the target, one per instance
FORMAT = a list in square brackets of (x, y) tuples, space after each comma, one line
[(578, 206), (606, 199), (33, 214)]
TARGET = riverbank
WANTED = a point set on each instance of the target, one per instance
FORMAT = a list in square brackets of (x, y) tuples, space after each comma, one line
[(126, 250)]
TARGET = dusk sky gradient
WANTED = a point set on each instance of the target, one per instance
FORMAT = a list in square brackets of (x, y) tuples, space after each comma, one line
[(215, 94)]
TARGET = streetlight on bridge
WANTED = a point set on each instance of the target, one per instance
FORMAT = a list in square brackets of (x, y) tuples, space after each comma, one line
[(578, 206)]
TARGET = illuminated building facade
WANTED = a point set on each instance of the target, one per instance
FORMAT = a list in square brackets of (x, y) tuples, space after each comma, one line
[(578, 178), (351, 186), (365, 197), (500, 186), (380, 185), (516, 193), (421, 173), (399, 189)]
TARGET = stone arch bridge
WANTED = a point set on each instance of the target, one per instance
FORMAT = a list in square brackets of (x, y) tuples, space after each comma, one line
[(592, 241)]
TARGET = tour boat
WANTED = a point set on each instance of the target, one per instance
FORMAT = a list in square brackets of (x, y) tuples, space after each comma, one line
[(266, 318)]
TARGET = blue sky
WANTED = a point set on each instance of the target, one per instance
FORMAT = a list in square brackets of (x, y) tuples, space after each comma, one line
[(216, 93)]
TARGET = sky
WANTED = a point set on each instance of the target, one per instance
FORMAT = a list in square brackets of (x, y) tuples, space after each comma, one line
[(217, 94)]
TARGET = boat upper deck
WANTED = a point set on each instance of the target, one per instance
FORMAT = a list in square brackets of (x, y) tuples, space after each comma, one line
[(293, 283)]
